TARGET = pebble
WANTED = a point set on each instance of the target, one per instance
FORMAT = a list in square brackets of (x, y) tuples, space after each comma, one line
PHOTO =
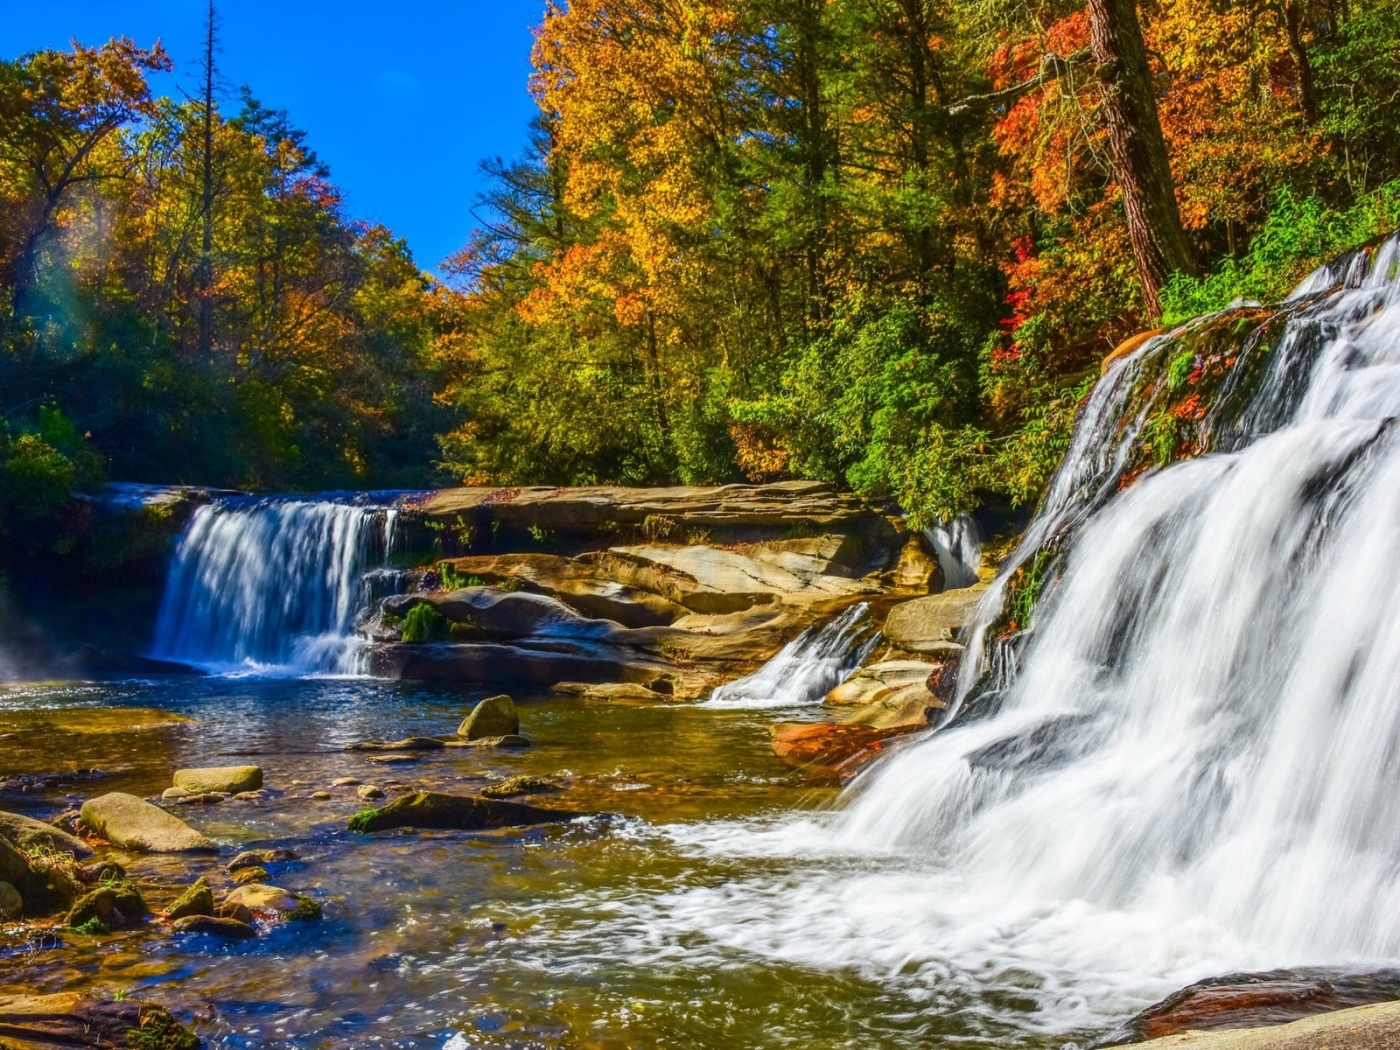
[(320, 796), (345, 782)]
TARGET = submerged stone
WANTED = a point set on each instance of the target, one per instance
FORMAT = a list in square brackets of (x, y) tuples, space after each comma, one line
[(243, 876), (495, 716), (432, 809), (521, 785), (231, 779), (134, 823), (412, 743), (255, 857)]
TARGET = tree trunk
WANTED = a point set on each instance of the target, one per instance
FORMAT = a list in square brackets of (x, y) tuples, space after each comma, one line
[(1140, 162), (206, 260), (1293, 23)]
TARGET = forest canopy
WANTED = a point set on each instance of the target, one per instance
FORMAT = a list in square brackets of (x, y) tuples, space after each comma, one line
[(882, 243)]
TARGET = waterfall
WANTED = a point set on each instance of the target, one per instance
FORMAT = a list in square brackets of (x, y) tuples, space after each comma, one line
[(808, 667), (274, 585), (1205, 722), (959, 550)]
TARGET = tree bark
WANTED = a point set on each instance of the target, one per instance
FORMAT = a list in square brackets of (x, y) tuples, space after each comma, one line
[(1293, 25), (1138, 149), (206, 256)]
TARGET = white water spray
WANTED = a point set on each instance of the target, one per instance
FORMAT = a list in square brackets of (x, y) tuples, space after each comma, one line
[(808, 667), (273, 585)]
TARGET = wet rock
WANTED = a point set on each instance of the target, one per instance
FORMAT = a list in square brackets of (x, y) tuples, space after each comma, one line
[(320, 796), (925, 625), (432, 809), (11, 903), (197, 900), (27, 834), (342, 782), (368, 792), (251, 796), (243, 876), (259, 898), (173, 793), (15, 869), (231, 779), (67, 820), (412, 743), (68, 1021), (216, 926), (207, 798), (234, 910), (135, 824), (830, 750), (493, 717), (114, 907), (254, 857), (521, 785), (1256, 1000)]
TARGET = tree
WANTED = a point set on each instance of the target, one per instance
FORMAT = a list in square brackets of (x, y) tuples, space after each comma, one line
[(1140, 162)]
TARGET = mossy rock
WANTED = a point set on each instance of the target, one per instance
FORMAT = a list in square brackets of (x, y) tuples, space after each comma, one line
[(157, 1030), (197, 900), (307, 910), (255, 873), (521, 785), (228, 927), (111, 907), (432, 809), (494, 716)]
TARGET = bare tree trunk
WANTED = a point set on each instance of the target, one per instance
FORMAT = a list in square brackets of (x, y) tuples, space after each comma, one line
[(1293, 24), (1140, 162), (206, 260)]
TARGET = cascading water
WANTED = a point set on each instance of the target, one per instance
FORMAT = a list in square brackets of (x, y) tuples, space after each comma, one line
[(1190, 762), (274, 585), (959, 550), (808, 667)]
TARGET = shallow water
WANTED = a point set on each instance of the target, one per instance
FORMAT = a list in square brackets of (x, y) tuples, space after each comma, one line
[(636, 928)]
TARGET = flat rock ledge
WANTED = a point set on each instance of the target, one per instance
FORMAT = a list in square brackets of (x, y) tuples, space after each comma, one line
[(1374, 1027)]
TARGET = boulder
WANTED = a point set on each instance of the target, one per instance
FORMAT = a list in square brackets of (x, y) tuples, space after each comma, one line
[(1255, 1000), (918, 569), (135, 824), (368, 792), (1375, 1027), (494, 716), (27, 834), (256, 873), (234, 910), (252, 858), (927, 625), (830, 751), (197, 900), (261, 897), (888, 694), (432, 809), (69, 1021), (11, 903), (216, 926), (110, 907), (230, 779), (14, 868)]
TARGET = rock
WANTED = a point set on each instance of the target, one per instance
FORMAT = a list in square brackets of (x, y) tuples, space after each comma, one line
[(216, 926), (412, 743), (207, 798), (135, 824), (69, 1021), (521, 785), (113, 907), (927, 624), (918, 569), (830, 750), (494, 716), (1255, 1000), (251, 796), (11, 903), (320, 796), (1126, 347), (342, 782), (431, 809), (1375, 1027), (27, 834), (512, 742), (243, 876), (219, 778), (275, 901), (538, 665), (610, 691), (251, 858), (888, 694), (234, 910), (368, 792), (197, 900), (173, 793), (15, 869)]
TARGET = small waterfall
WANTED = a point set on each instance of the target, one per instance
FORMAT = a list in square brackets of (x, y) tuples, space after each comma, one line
[(274, 585), (959, 550), (808, 667)]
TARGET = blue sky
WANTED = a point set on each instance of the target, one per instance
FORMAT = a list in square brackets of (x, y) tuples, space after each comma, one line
[(403, 100)]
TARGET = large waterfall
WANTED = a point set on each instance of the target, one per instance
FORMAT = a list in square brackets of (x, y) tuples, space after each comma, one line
[(1190, 762), (273, 585)]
